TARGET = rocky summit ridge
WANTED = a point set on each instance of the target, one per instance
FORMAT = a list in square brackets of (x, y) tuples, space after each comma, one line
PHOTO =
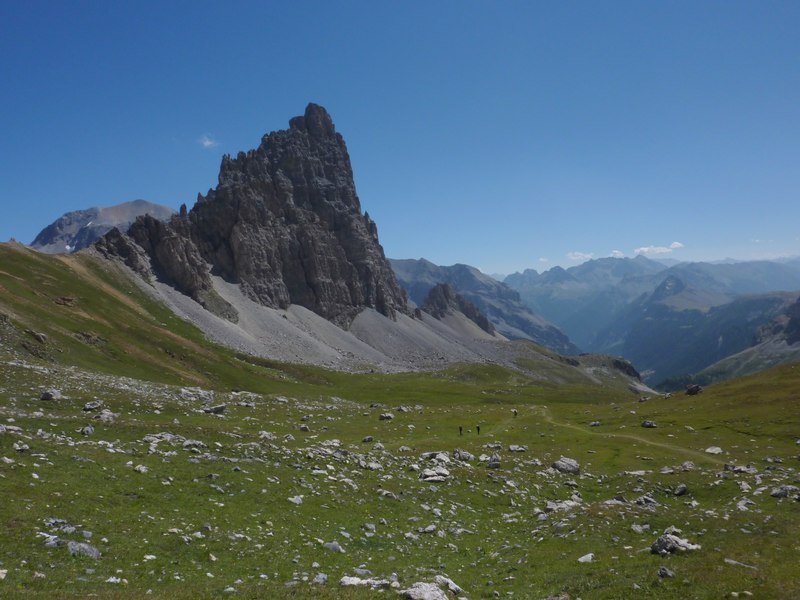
[(284, 223)]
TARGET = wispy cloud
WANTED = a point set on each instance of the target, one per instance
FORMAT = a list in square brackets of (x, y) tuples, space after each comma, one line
[(617, 254), (544, 260), (207, 142), (580, 255), (658, 249)]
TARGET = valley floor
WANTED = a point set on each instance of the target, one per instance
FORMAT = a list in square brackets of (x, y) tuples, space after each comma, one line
[(286, 494)]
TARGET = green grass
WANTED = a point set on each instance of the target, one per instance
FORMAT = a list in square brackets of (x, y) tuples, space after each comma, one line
[(252, 530)]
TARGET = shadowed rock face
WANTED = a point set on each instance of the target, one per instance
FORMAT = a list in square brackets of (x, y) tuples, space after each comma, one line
[(286, 224), (442, 300)]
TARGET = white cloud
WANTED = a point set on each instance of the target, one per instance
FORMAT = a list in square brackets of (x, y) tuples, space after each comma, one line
[(617, 254), (207, 142), (658, 249), (544, 260), (580, 255)]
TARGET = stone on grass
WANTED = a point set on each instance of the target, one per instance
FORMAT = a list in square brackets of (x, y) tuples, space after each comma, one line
[(649, 424), (386, 416), (586, 558), (423, 591), (51, 394), (713, 450), (681, 489), (670, 543), (83, 549), (443, 581), (567, 465), (783, 491), (333, 546), (664, 572), (93, 405), (215, 410)]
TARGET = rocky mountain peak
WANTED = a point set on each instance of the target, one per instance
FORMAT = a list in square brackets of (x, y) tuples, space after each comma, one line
[(316, 122), (285, 223)]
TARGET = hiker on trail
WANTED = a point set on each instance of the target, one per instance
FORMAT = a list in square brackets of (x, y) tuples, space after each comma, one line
[(478, 427), (460, 430), (515, 412)]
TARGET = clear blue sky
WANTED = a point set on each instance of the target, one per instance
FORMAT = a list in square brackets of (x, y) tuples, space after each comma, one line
[(496, 134)]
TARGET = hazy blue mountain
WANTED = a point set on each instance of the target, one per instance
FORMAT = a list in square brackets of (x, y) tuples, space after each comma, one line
[(79, 229), (501, 304), (775, 343), (667, 321), (582, 300)]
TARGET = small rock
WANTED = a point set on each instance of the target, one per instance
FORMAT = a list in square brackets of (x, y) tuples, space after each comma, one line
[(567, 465), (586, 558), (649, 424), (215, 410), (680, 489), (423, 591), (83, 549), (93, 405), (664, 572), (386, 416), (670, 543), (713, 450), (51, 394), (333, 546)]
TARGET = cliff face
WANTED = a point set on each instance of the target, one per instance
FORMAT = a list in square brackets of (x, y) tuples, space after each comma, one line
[(286, 224), (442, 300)]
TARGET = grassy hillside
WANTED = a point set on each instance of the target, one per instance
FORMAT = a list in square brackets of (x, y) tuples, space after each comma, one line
[(185, 504)]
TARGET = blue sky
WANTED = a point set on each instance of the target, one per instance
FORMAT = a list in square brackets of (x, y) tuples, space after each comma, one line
[(499, 134)]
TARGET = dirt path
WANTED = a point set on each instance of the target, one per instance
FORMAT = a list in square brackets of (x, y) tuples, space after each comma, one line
[(544, 412)]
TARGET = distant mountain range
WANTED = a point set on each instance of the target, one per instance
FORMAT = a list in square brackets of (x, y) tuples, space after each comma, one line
[(669, 321), (79, 229), (500, 303)]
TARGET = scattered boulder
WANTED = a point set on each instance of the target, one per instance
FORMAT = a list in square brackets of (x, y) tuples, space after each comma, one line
[(83, 549), (586, 558), (51, 394), (494, 461), (462, 455), (713, 450), (680, 489), (215, 410), (664, 573), (423, 591), (693, 389), (386, 416), (670, 543), (567, 465), (333, 546), (93, 405), (783, 491), (649, 424)]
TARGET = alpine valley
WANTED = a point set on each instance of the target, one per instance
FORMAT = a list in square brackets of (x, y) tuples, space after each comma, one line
[(246, 398)]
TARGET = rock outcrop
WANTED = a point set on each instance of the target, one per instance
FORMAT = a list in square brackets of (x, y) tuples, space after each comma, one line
[(284, 223), (442, 300)]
